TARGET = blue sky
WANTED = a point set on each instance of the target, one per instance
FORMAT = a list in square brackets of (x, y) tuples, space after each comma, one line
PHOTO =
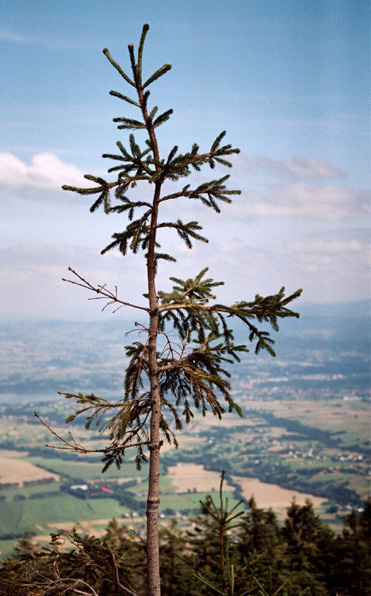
[(288, 80)]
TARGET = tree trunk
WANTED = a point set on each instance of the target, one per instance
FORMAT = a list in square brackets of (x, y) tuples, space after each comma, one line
[(153, 499)]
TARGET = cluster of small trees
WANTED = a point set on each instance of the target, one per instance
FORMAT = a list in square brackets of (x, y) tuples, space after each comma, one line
[(226, 551)]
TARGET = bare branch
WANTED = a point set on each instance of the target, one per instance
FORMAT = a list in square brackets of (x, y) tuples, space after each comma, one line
[(104, 293)]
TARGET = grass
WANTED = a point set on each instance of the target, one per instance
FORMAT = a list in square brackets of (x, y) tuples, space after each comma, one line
[(176, 502), (24, 516), (7, 547), (28, 491), (11, 514), (191, 501), (85, 471), (201, 496), (361, 484)]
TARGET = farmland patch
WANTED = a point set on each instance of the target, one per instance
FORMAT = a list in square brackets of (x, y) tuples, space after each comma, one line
[(271, 495), (18, 471), (194, 477)]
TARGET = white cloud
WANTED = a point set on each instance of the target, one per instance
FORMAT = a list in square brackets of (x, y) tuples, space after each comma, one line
[(307, 191), (323, 202), (295, 168), (329, 267), (33, 286), (291, 168), (46, 172), (328, 247)]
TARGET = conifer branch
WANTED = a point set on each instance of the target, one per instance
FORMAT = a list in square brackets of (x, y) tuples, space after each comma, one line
[(140, 48), (118, 67), (125, 98), (161, 71)]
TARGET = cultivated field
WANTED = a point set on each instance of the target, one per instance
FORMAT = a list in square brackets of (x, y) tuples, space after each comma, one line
[(84, 471), (194, 477), (277, 441), (273, 496), (17, 471), (348, 419)]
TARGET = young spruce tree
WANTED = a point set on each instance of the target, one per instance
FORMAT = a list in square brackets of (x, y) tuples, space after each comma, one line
[(181, 365)]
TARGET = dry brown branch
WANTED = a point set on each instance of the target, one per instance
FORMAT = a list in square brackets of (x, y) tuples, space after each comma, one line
[(104, 293)]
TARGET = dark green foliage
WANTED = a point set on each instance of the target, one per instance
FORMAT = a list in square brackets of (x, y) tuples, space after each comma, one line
[(174, 566), (260, 544), (353, 554), (212, 538), (228, 551), (308, 547)]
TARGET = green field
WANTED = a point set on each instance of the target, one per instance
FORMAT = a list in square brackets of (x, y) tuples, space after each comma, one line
[(23, 516), (276, 442), (191, 501), (28, 491), (84, 471)]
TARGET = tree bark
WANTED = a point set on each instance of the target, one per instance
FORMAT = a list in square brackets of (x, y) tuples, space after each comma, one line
[(153, 498)]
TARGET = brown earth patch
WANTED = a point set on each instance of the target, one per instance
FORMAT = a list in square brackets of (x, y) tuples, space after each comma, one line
[(187, 477), (271, 495), (17, 471)]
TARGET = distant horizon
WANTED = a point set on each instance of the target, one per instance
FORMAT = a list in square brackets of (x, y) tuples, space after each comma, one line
[(109, 317), (327, 350)]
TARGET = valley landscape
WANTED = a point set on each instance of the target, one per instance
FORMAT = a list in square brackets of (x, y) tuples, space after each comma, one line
[(305, 430)]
